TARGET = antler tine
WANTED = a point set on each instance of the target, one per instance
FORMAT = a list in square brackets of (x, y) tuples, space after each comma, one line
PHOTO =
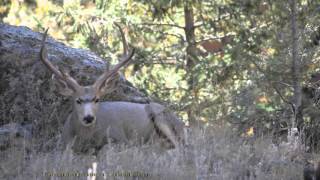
[(62, 76), (43, 57), (126, 57), (123, 38), (122, 63)]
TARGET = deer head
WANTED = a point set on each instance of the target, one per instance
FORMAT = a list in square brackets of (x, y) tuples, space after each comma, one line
[(86, 98)]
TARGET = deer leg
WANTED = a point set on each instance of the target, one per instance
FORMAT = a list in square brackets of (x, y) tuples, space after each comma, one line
[(162, 125), (166, 130), (67, 136), (117, 135)]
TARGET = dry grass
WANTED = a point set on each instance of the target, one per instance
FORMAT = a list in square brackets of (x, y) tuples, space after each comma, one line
[(211, 154)]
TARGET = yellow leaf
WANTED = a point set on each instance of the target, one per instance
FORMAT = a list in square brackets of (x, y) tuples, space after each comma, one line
[(250, 132), (263, 99)]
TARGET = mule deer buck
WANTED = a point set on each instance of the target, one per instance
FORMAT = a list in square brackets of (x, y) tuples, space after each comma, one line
[(92, 123)]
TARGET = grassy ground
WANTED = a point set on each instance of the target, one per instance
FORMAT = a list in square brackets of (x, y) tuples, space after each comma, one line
[(209, 154)]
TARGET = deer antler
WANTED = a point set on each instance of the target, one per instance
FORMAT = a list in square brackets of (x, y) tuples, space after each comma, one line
[(126, 57), (61, 75), (123, 38)]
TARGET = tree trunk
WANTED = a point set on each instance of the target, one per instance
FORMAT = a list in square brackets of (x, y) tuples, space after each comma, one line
[(191, 62), (296, 66)]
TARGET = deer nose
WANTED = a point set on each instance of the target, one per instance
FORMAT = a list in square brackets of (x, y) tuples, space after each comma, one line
[(88, 119)]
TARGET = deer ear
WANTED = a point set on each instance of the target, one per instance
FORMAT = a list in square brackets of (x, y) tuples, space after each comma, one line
[(109, 85), (62, 87)]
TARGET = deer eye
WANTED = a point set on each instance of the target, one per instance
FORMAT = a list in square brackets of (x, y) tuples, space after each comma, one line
[(79, 101)]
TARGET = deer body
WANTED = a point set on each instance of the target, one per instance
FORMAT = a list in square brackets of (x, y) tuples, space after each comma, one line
[(120, 122), (92, 123)]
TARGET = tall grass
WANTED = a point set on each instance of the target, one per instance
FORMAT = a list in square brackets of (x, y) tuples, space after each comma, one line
[(209, 154)]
